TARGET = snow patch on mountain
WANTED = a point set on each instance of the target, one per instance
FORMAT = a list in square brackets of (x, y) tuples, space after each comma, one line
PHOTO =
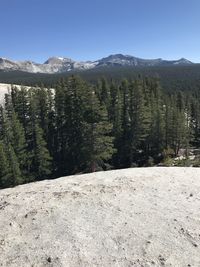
[(61, 64)]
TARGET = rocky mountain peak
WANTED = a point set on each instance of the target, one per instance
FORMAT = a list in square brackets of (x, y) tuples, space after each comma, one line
[(62, 64), (58, 60)]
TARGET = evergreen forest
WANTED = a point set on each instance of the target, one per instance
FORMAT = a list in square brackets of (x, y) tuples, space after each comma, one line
[(83, 127)]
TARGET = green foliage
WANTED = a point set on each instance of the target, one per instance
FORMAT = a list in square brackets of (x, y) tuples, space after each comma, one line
[(196, 162), (16, 174), (173, 78), (83, 127), (98, 145), (4, 168), (184, 163), (168, 162), (41, 159)]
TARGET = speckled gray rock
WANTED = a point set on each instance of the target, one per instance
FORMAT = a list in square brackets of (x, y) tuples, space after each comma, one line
[(133, 217)]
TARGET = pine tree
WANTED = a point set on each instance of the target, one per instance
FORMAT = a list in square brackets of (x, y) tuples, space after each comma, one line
[(60, 129), (5, 180), (40, 96), (195, 122), (155, 107), (177, 126), (124, 140), (38, 161), (20, 104), (42, 159), (16, 175), (98, 145), (104, 93), (51, 136), (18, 143), (116, 120), (7, 136), (76, 98), (138, 120)]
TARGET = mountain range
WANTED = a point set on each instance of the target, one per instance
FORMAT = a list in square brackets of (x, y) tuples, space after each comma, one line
[(61, 65)]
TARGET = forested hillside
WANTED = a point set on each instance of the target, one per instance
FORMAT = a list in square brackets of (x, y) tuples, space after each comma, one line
[(172, 78), (82, 127)]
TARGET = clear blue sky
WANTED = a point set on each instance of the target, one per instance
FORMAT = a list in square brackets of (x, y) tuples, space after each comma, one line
[(91, 29)]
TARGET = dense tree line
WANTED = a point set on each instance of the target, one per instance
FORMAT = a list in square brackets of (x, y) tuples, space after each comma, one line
[(172, 78), (79, 127)]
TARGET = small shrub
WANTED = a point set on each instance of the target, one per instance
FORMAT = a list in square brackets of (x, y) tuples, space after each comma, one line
[(168, 162), (184, 163), (150, 162)]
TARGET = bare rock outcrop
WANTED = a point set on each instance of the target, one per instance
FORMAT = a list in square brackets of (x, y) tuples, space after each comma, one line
[(132, 217)]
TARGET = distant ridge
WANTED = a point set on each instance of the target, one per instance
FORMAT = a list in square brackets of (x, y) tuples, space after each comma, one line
[(61, 64)]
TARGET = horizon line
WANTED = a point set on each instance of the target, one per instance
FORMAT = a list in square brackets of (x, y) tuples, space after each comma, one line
[(86, 60)]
